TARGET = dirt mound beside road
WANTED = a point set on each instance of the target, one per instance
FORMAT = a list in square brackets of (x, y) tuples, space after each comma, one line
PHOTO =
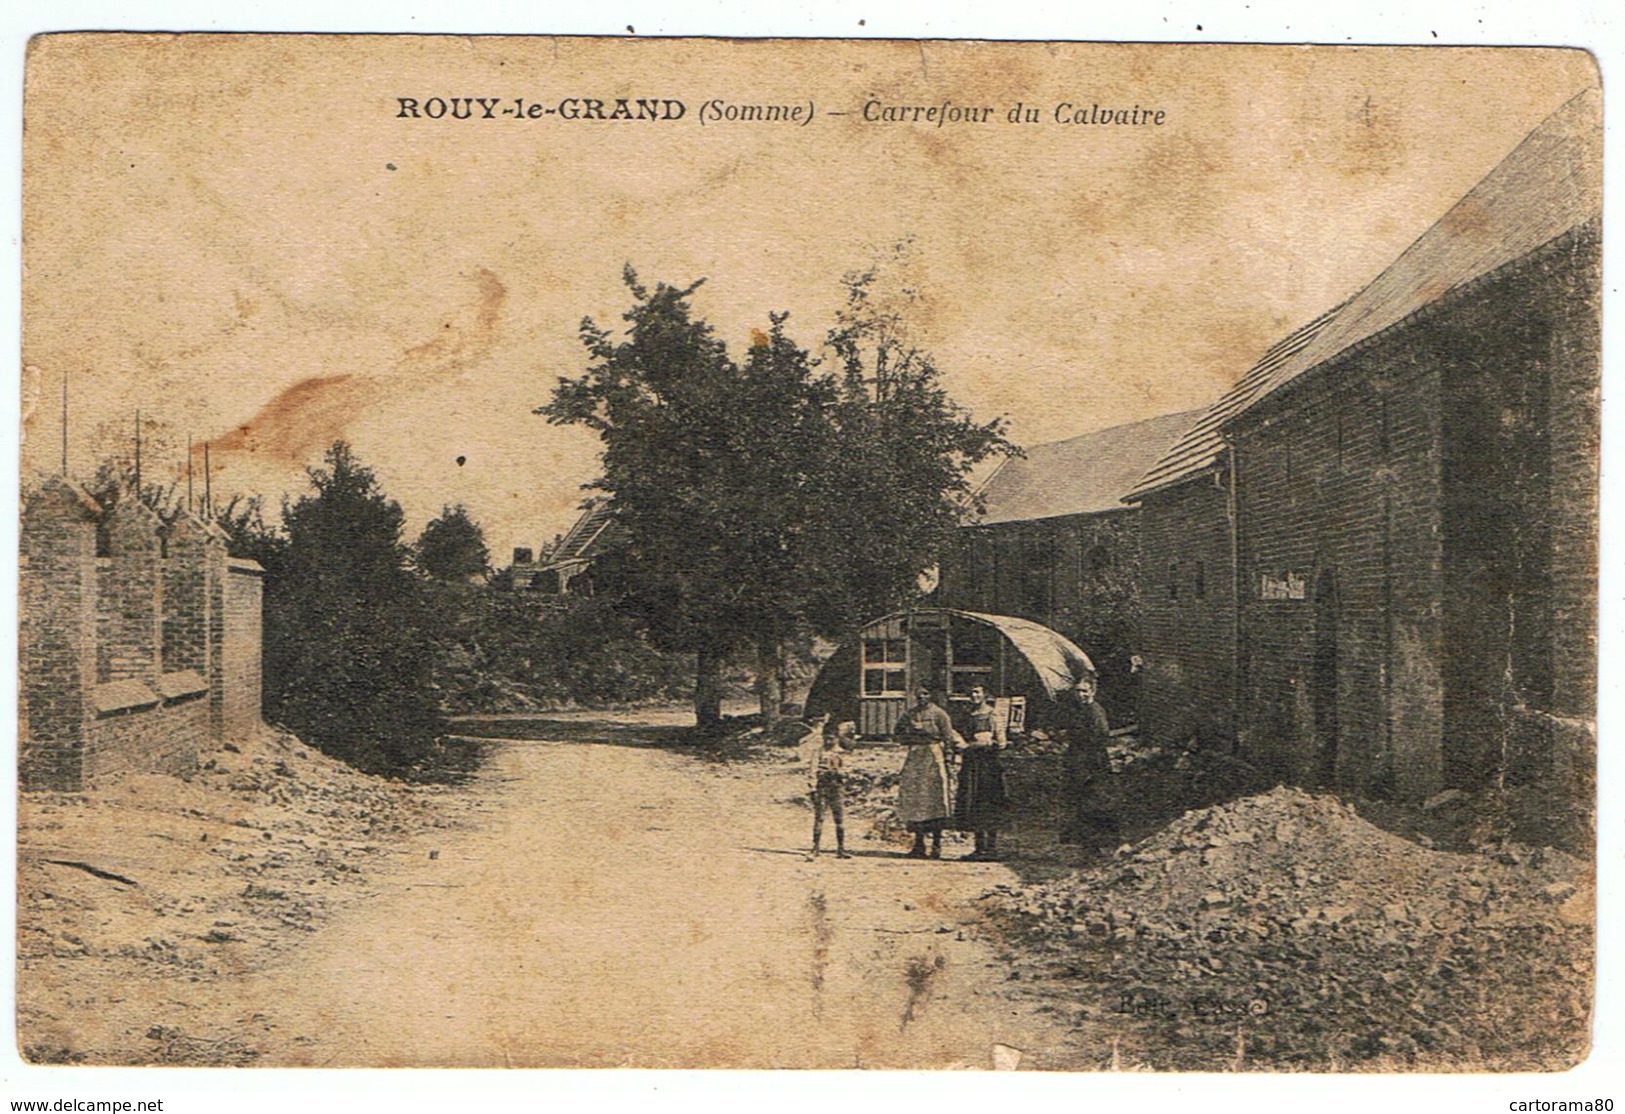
[(1282, 930), (155, 881)]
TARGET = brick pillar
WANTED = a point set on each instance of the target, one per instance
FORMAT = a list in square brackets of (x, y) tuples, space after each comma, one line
[(186, 598), (58, 633), (214, 589), (243, 638), (134, 594)]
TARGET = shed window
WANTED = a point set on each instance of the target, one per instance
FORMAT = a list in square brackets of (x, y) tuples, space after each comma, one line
[(1097, 560), (975, 652), (885, 667)]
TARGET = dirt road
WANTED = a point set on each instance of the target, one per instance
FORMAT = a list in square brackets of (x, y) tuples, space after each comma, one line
[(597, 898), (630, 906)]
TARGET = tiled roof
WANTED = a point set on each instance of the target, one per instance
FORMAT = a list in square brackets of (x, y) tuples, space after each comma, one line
[(1081, 475), (1201, 444), (587, 537), (1549, 184)]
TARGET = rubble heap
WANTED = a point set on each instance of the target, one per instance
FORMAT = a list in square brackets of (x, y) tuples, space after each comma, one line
[(1283, 930), (195, 879)]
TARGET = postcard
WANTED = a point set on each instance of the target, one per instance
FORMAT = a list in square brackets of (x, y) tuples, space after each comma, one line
[(712, 553)]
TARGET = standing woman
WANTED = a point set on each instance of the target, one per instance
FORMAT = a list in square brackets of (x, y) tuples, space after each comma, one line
[(1088, 766), (979, 805), (922, 788)]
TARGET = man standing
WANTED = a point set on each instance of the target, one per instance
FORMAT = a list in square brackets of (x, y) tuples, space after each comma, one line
[(1087, 732)]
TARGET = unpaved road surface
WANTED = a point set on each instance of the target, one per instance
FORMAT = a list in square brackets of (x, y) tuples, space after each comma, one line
[(592, 898), (629, 906)]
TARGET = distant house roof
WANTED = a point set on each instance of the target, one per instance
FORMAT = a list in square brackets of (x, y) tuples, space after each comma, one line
[(1550, 184), (587, 538), (1081, 475)]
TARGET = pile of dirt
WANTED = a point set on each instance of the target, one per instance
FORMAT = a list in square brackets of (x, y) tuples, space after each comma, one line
[(1282, 930), (161, 878)]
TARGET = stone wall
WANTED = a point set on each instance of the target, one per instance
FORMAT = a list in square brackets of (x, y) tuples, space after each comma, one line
[(1417, 543), (1412, 600), (1340, 563)]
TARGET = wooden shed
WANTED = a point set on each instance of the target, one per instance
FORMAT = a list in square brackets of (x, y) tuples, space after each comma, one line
[(1023, 664)]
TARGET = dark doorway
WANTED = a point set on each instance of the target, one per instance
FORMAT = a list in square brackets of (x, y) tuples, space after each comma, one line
[(1323, 678)]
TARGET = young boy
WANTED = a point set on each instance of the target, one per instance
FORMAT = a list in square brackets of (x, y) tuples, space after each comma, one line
[(826, 779)]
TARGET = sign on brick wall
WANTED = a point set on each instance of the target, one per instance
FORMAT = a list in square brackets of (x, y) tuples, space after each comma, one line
[(1285, 586)]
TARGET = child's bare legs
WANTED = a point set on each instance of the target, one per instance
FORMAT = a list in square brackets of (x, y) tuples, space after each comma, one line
[(837, 809), (829, 794)]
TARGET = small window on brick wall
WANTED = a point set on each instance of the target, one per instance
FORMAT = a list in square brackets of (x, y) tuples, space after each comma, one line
[(1199, 581), (1173, 580)]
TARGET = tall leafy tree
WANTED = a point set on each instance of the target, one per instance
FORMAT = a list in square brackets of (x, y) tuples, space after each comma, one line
[(347, 662), (452, 547), (900, 473), (659, 400), (764, 498), (784, 440)]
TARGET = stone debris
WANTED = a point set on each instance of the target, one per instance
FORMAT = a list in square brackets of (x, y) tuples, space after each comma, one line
[(1286, 922), (197, 878)]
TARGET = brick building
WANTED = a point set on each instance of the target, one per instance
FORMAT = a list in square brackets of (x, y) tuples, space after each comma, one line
[(1188, 614), (140, 640), (1055, 544), (1382, 541)]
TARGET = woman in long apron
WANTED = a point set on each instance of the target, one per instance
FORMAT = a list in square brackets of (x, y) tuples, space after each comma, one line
[(922, 787)]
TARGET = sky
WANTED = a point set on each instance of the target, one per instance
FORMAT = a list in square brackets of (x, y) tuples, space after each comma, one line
[(245, 240)]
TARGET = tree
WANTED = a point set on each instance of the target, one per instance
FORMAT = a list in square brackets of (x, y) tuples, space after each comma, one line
[(452, 547), (347, 663), (659, 400), (119, 470), (899, 485), (762, 499)]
